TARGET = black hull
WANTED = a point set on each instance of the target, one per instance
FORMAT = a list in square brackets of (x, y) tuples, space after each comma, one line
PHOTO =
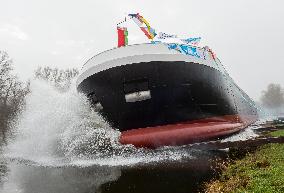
[(180, 92)]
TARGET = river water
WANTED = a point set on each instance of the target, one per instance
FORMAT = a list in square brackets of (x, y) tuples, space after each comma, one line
[(58, 144)]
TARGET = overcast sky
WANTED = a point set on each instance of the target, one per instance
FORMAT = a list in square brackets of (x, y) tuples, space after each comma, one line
[(247, 35)]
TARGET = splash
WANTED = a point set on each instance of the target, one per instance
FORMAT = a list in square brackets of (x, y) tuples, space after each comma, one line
[(244, 135), (61, 128)]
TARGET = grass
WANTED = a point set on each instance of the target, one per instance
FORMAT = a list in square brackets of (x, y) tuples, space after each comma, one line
[(277, 133), (258, 172)]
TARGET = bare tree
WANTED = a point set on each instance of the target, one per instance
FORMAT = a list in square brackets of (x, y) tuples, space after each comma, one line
[(61, 79), (12, 93), (273, 97)]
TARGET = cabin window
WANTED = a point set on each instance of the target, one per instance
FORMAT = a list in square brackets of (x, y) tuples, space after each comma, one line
[(138, 96), (136, 90)]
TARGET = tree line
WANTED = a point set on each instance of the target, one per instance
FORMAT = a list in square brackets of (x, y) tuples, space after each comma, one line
[(273, 98), (12, 92), (61, 79)]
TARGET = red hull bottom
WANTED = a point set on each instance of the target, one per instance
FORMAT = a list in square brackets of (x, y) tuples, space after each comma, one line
[(186, 132)]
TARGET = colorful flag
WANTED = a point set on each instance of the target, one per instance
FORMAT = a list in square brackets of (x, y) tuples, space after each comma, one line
[(184, 49), (136, 19), (146, 32), (122, 34), (189, 50), (193, 41), (126, 37), (174, 46), (139, 20)]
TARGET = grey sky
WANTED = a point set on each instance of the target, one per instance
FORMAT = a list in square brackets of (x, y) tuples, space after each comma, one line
[(247, 35)]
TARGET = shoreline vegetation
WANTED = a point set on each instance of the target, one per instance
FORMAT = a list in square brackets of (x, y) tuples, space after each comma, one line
[(261, 170)]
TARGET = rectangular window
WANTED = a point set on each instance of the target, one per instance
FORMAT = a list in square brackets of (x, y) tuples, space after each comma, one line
[(137, 90), (138, 96)]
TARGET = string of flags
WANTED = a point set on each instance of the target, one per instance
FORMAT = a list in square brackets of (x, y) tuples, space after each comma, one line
[(150, 33)]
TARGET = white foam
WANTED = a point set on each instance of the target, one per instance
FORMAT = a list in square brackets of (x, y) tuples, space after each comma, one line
[(60, 128), (246, 134)]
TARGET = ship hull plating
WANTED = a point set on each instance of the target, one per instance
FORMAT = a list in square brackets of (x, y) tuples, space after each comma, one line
[(164, 101), (176, 92)]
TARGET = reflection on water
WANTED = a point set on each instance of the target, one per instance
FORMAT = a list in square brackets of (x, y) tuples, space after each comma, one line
[(181, 176), (34, 179), (184, 175)]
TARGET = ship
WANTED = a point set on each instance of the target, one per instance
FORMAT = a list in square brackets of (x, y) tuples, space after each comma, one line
[(165, 94)]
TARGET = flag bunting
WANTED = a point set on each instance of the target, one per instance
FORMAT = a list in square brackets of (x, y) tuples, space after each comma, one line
[(144, 25)]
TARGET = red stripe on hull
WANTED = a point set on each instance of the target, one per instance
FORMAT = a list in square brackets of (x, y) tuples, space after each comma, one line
[(186, 132)]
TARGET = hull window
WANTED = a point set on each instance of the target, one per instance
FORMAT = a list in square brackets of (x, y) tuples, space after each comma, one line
[(137, 90), (138, 96)]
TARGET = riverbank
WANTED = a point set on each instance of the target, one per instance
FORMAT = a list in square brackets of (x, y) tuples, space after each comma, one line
[(259, 171)]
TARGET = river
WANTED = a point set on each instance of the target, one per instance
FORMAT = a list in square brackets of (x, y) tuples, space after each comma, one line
[(58, 144)]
